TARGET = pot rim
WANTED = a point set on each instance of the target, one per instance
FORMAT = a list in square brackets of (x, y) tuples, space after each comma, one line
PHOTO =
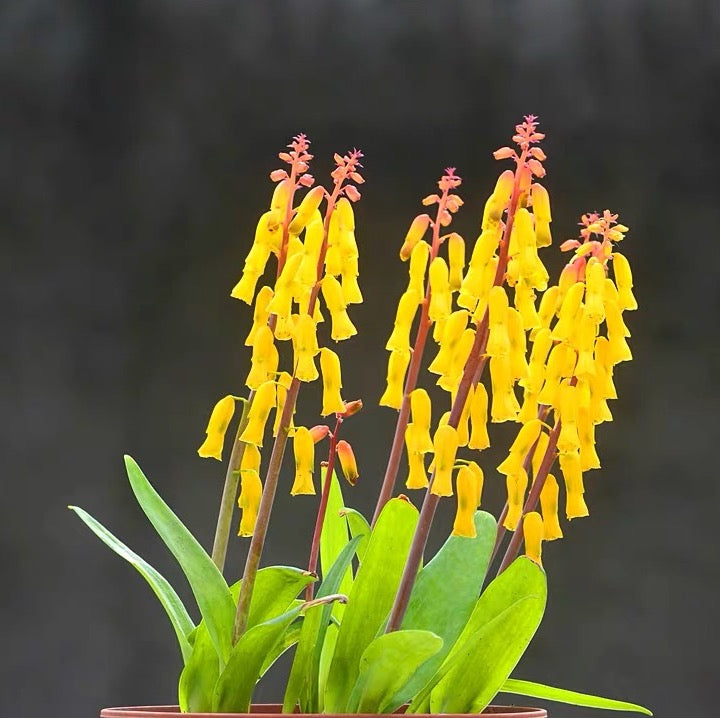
[(275, 710)]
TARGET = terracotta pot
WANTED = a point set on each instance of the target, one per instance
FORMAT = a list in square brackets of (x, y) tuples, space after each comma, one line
[(273, 710)]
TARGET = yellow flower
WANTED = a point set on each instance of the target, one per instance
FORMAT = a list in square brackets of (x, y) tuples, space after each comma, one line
[(568, 312), (463, 427), (258, 414), (518, 346), (416, 232), (348, 464), (281, 195), (421, 413), (281, 303), (445, 443), (522, 445), (560, 363), (416, 448), (452, 332), (220, 419), (623, 278), (305, 348), (542, 343), (586, 432), (467, 492), (342, 327), (572, 473), (549, 504), (397, 366), (264, 361), (548, 306), (533, 533), (524, 302), (304, 449), (568, 441), (456, 260), (504, 406), (498, 200), (407, 308), (541, 211), (440, 298), (498, 341), (266, 232), (451, 379), (479, 438), (516, 488), (283, 384), (479, 480), (332, 382), (594, 290), (306, 209), (585, 344), (249, 501), (473, 285), (540, 450), (418, 266)]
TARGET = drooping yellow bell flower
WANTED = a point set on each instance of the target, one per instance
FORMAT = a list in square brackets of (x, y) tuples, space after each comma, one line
[(586, 432), (452, 332), (258, 414), (305, 348), (584, 342), (517, 344), (548, 306), (281, 303), (264, 360), (498, 200), (348, 464), (417, 268), (604, 369), (568, 312), (541, 447), (220, 418), (280, 197), (533, 533), (416, 450), (397, 366), (267, 229), (504, 405), (479, 438), (594, 290), (342, 327), (260, 313), (304, 449), (560, 364), (521, 447), (624, 281), (516, 488), (467, 492), (283, 385), (463, 427), (575, 506), (440, 297), (249, 501), (542, 343), (524, 302), (451, 379), (416, 232), (350, 287), (456, 260), (549, 505), (314, 235), (568, 441), (473, 283), (529, 406), (306, 209), (407, 308), (284, 327), (421, 414), (498, 344), (332, 382), (479, 480), (541, 211), (445, 444)]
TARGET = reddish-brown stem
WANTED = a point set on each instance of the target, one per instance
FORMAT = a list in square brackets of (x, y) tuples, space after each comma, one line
[(471, 374), (322, 508), (393, 465), (533, 497)]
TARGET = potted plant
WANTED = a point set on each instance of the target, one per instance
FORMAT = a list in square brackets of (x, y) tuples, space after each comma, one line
[(376, 626)]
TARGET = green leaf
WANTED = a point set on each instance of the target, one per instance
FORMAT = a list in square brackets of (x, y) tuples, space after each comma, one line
[(276, 587), (302, 684), (446, 591), (200, 674), (208, 586), (286, 642), (358, 526), (538, 690), (387, 665), (371, 597), (181, 622), (499, 630)]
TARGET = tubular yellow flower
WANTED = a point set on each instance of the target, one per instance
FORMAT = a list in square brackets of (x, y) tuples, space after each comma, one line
[(541, 210), (568, 441), (524, 441), (451, 379), (524, 302), (539, 454), (549, 505), (417, 268), (407, 308), (416, 449), (350, 287), (258, 413), (586, 431), (585, 344), (283, 384), (542, 344), (440, 298), (572, 474), (548, 306), (498, 200), (250, 459), (516, 488), (421, 413), (304, 448), (445, 443), (260, 313), (604, 369), (560, 364), (397, 366), (498, 341), (467, 493), (529, 407), (281, 195), (473, 284), (249, 501), (284, 327), (342, 327), (348, 464), (623, 279), (220, 418), (306, 209), (456, 260), (305, 348), (332, 382), (518, 346), (479, 480), (594, 290), (479, 438), (533, 533), (281, 303), (314, 235), (568, 312), (504, 406), (416, 232), (264, 361), (452, 332)]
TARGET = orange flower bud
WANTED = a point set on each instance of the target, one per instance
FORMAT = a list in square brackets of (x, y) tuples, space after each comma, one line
[(352, 407), (319, 432), (220, 419), (347, 462)]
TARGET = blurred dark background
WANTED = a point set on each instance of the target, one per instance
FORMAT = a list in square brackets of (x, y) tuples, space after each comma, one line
[(136, 142)]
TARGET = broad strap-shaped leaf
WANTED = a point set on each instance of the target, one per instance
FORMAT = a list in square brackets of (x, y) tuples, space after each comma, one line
[(276, 587), (446, 591), (560, 695), (358, 526), (286, 642), (371, 598), (181, 621), (497, 634), (387, 665), (200, 674), (208, 586), (302, 685)]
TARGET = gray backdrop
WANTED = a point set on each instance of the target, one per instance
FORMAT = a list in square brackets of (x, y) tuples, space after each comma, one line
[(136, 141)]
